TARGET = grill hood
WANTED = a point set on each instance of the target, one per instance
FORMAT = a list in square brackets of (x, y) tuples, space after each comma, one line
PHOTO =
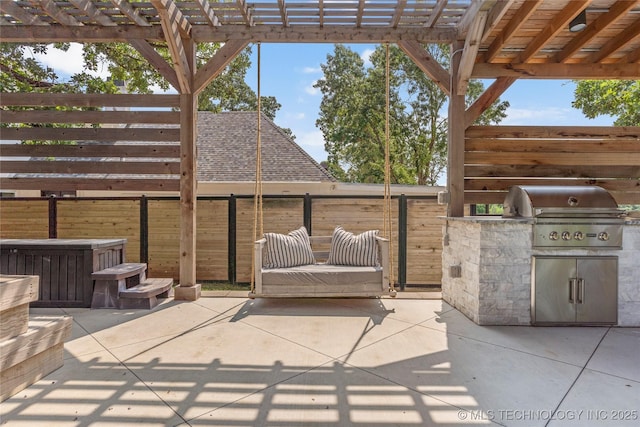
[(530, 201)]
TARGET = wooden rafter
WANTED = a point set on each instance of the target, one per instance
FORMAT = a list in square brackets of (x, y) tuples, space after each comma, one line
[(616, 43), (496, 13), (557, 71), (427, 64), (321, 12), (360, 14), (436, 12), (172, 11), (87, 7), (50, 8), (12, 9), (208, 12), (618, 10), (470, 15), (130, 12), (283, 13), (245, 12), (470, 51), (174, 41), (555, 26), (631, 57), (525, 11), (217, 63), (398, 13)]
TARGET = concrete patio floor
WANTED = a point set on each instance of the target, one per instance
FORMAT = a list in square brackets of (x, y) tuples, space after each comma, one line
[(343, 362)]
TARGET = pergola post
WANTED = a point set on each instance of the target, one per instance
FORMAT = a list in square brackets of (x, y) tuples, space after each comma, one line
[(188, 290), (455, 170)]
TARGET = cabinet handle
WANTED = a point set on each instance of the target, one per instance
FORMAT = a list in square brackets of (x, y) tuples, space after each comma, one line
[(580, 291), (572, 289)]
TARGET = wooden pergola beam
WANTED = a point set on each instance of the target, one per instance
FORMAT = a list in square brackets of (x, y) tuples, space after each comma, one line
[(126, 8), (208, 12), (436, 12), (203, 34), (496, 13), (488, 97), (427, 64), (217, 63), (157, 61), (470, 50), (170, 17), (557, 71), (398, 13)]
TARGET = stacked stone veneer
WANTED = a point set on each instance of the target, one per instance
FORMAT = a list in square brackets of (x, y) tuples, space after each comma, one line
[(493, 256)]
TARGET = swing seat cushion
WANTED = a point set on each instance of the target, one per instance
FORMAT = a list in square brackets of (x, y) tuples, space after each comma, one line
[(290, 250), (323, 275)]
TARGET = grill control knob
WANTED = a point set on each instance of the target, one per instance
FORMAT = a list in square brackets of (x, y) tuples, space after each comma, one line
[(553, 235), (578, 235), (566, 235), (604, 236)]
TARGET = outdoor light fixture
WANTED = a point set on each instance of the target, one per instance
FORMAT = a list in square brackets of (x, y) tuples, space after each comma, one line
[(579, 22)]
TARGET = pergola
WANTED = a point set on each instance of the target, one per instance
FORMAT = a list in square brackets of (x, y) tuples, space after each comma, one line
[(503, 40)]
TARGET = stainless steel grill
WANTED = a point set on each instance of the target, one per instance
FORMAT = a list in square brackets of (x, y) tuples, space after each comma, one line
[(568, 216)]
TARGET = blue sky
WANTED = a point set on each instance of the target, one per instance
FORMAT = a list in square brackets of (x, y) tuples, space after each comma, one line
[(290, 70)]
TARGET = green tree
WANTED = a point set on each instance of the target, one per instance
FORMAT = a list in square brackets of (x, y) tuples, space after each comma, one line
[(618, 98), (352, 116)]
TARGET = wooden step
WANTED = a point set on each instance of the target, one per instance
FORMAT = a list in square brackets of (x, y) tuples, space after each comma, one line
[(146, 294), (120, 271), (148, 288)]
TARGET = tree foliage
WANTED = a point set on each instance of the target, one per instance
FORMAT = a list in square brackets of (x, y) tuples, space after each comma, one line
[(352, 116), (618, 98)]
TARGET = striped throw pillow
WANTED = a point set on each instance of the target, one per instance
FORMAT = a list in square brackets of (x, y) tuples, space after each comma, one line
[(349, 249), (288, 250)]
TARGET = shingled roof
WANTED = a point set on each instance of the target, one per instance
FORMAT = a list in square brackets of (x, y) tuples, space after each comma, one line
[(227, 151)]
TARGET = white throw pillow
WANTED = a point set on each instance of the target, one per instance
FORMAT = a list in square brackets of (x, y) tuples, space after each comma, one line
[(288, 250), (349, 249)]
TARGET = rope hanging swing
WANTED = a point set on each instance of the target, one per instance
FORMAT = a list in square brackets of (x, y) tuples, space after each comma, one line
[(387, 230), (258, 217), (258, 220)]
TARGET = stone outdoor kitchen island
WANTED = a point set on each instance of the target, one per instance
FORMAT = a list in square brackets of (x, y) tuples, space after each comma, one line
[(487, 269)]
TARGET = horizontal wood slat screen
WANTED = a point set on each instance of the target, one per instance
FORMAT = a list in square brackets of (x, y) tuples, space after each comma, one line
[(497, 157), (101, 142)]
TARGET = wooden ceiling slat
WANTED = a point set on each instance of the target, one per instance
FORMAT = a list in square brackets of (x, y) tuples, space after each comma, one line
[(50, 8), (126, 8), (618, 10), (12, 9), (616, 43), (518, 20), (87, 7), (555, 26)]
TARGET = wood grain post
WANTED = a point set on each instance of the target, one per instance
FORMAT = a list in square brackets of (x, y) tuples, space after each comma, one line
[(455, 170)]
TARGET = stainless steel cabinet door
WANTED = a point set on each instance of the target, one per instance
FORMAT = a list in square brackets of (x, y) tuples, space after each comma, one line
[(554, 290), (597, 295)]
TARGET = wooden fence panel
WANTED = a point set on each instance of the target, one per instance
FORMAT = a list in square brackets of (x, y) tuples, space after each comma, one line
[(497, 157), (24, 219), (101, 219), (211, 242), (355, 215), (280, 216), (424, 241)]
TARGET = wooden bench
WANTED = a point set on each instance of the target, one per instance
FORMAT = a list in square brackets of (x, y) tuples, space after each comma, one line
[(125, 286)]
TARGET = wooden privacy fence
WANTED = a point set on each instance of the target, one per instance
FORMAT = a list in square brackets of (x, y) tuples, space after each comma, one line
[(497, 157), (151, 226), (103, 145)]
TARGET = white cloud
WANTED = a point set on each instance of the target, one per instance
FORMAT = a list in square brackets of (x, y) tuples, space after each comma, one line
[(310, 139), (67, 63), (366, 56), (312, 90), (311, 70), (542, 115), (296, 116)]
